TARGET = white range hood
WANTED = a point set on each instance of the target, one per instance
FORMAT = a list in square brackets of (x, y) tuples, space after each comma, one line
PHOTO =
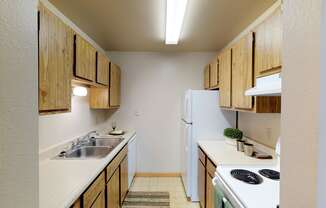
[(267, 86)]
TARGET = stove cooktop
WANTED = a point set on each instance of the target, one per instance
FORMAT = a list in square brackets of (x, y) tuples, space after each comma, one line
[(271, 174), (246, 176), (265, 194)]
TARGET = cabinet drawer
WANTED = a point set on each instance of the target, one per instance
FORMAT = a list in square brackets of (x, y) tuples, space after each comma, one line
[(202, 156), (93, 191), (114, 164), (211, 167)]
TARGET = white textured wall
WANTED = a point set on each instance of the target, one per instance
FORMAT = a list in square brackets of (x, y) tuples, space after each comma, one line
[(264, 128), (300, 103), (152, 87), (60, 128), (18, 104)]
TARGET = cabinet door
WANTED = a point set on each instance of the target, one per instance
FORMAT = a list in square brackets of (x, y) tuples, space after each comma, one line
[(99, 98), (55, 63), (123, 179), (115, 85), (206, 77), (201, 184), (225, 78), (77, 204), (209, 191), (112, 188), (242, 72), (268, 45), (100, 201), (93, 192), (214, 77), (85, 59), (102, 69)]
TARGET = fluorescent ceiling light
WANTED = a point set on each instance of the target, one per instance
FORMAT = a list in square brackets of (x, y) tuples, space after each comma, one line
[(175, 12), (79, 91)]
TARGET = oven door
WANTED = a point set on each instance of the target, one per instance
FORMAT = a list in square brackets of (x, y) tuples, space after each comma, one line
[(223, 196)]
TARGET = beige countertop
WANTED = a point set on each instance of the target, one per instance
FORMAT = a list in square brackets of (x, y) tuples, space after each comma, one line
[(224, 154), (61, 182)]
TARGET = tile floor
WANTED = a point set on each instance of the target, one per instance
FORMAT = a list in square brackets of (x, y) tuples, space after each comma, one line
[(171, 184)]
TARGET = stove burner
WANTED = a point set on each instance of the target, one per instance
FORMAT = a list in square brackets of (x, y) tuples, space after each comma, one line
[(271, 174), (246, 176)]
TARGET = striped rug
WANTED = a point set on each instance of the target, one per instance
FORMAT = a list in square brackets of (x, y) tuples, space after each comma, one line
[(139, 199)]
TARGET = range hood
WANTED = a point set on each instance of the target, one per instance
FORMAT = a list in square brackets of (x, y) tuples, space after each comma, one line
[(267, 86)]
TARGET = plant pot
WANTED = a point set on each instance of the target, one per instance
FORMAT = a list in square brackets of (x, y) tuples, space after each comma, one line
[(230, 141)]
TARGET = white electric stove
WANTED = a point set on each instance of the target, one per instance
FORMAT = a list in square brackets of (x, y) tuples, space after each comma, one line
[(249, 186)]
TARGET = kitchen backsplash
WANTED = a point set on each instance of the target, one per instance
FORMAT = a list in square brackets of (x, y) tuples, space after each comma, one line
[(60, 128), (263, 128)]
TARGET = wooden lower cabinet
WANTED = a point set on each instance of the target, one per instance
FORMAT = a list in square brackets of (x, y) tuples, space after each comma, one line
[(209, 191), (210, 173), (201, 184), (77, 204), (123, 179), (206, 173), (100, 201), (93, 196), (112, 190)]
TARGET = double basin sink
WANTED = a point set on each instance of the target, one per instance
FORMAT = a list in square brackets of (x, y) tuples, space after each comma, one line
[(93, 148)]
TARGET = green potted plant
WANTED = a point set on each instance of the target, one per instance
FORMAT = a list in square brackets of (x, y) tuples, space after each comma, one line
[(232, 135)]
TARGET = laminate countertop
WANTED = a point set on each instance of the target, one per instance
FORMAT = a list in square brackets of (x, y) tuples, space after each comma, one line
[(62, 182), (222, 153)]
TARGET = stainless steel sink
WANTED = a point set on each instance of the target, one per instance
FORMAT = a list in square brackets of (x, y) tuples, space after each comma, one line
[(88, 152), (92, 148), (104, 142)]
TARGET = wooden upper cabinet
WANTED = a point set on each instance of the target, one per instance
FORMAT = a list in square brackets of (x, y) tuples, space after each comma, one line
[(214, 76), (99, 98), (242, 72), (103, 67), (268, 45), (85, 56), (206, 77), (107, 97), (225, 77), (55, 63), (115, 85)]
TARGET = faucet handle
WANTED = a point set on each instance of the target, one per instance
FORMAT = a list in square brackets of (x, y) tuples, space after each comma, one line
[(91, 134)]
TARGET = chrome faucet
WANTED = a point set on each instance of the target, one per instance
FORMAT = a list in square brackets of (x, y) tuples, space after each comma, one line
[(82, 140), (89, 134)]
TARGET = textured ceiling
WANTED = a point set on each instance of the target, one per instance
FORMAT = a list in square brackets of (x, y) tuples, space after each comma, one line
[(139, 25)]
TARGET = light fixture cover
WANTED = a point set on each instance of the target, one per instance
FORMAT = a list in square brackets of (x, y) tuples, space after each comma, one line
[(175, 12), (79, 91)]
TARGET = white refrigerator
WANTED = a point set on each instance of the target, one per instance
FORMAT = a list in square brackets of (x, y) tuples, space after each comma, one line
[(202, 119)]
